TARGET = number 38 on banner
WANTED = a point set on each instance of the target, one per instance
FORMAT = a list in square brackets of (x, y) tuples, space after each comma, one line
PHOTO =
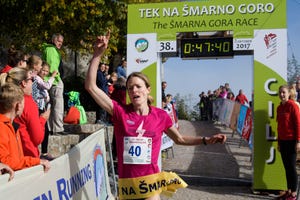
[(166, 46)]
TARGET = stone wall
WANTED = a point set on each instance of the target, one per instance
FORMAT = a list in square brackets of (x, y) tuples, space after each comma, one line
[(61, 144)]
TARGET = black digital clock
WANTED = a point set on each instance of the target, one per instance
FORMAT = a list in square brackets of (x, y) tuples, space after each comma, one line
[(207, 47)]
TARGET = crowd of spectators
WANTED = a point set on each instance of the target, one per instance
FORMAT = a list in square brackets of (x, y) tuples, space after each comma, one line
[(224, 92), (40, 78)]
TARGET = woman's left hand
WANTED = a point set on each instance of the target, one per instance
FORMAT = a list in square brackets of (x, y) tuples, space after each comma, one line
[(218, 138)]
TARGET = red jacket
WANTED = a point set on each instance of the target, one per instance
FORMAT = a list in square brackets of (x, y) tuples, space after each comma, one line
[(5, 69), (241, 98), (32, 127), (119, 94), (288, 121), (11, 152)]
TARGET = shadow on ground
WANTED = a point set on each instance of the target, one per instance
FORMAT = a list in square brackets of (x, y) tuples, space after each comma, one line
[(220, 171)]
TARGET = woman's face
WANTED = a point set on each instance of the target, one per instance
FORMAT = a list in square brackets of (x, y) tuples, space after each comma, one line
[(169, 99), (284, 95), (20, 108), (23, 63), (137, 91), (27, 84), (38, 66)]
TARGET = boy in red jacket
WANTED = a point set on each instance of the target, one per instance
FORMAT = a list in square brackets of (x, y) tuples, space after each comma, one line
[(11, 152)]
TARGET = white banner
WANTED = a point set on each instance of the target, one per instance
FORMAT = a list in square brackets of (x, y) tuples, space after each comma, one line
[(270, 49), (226, 111), (166, 142), (79, 174), (141, 51)]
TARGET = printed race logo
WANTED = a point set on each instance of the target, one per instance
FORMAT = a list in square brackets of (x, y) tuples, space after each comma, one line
[(270, 39), (271, 44), (99, 174), (141, 45)]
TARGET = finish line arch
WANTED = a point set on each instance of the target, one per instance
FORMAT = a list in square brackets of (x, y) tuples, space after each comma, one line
[(257, 25)]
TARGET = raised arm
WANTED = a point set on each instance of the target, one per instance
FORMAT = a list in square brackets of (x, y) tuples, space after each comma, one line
[(90, 82)]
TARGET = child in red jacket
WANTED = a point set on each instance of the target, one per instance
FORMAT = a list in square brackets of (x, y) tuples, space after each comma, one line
[(11, 152)]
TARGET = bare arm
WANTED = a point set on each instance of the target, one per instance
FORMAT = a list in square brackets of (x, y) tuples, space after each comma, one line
[(90, 82), (174, 134)]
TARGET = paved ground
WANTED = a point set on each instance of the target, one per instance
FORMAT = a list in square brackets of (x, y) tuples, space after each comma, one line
[(214, 171)]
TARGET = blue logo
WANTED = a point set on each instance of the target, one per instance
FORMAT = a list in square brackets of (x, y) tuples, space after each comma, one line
[(99, 174), (141, 45)]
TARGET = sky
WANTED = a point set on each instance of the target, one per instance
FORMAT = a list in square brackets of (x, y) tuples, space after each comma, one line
[(190, 77)]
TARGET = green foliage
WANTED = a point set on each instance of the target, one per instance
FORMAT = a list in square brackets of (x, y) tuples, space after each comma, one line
[(27, 24), (293, 70), (195, 113), (184, 110), (181, 108)]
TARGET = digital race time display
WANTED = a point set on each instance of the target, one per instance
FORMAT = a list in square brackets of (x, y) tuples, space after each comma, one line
[(207, 47)]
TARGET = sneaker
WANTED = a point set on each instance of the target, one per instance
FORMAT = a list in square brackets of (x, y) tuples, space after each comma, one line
[(46, 156)]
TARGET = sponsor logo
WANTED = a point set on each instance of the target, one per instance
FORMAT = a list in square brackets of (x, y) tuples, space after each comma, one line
[(141, 61), (141, 45)]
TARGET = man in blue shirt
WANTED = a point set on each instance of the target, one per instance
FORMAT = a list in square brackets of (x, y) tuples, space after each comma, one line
[(102, 83), (121, 70)]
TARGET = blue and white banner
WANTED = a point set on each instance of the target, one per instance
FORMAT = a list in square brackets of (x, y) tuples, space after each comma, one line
[(79, 174), (241, 118)]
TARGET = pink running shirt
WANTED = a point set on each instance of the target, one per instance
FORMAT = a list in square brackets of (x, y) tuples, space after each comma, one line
[(126, 122)]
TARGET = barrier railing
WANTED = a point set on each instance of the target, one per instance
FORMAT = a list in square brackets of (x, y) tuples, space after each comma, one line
[(82, 173)]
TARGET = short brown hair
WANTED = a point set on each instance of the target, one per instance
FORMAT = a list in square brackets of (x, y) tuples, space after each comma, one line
[(10, 94)]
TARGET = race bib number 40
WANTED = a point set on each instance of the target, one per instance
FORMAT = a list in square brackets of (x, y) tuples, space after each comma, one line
[(137, 150)]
